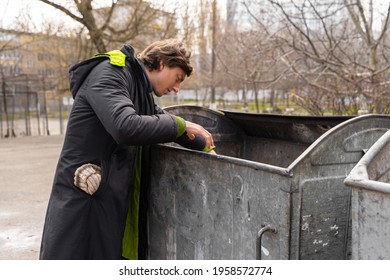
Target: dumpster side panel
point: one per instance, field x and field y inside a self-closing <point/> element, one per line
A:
<point x="260" y="198"/>
<point x="370" y="184"/>
<point x="370" y="225"/>
<point x="208" y="207"/>
<point x="325" y="219"/>
<point x="322" y="229"/>
<point x="321" y="209"/>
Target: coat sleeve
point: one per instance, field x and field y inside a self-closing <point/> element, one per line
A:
<point x="107" y="90"/>
<point x="198" y="143"/>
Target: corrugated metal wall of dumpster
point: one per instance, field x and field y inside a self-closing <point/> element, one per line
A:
<point x="370" y="184"/>
<point x="274" y="191"/>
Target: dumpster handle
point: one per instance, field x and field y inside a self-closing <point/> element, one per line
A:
<point x="264" y="229"/>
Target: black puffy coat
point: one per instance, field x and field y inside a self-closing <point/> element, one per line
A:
<point x="112" y="115"/>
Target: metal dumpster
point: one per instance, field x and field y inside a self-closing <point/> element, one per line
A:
<point x="274" y="191"/>
<point x="370" y="206"/>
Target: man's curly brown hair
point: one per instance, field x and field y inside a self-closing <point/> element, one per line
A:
<point x="171" y="51"/>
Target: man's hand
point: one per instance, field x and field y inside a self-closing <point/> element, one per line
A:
<point x="195" y="129"/>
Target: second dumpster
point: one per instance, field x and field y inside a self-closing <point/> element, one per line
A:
<point x="370" y="207"/>
<point x="274" y="191"/>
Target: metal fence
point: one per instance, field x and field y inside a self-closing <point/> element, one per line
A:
<point x="32" y="114"/>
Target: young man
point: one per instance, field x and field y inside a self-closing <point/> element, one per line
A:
<point x="101" y="177"/>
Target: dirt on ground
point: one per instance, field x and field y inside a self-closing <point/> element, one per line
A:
<point x="27" y="166"/>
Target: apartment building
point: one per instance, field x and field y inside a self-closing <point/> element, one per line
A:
<point x="35" y="58"/>
<point x="33" y="78"/>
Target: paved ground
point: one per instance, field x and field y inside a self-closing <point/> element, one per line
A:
<point x="27" y="166"/>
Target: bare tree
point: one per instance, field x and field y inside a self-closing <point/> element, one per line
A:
<point x="197" y="31"/>
<point x="7" y="50"/>
<point x="87" y="19"/>
<point x="334" y="50"/>
<point x="373" y="75"/>
<point x="122" y="21"/>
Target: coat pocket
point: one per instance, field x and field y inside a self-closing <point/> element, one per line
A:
<point x="87" y="177"/>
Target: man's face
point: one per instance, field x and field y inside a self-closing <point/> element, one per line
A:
<point x="166" y="79"/>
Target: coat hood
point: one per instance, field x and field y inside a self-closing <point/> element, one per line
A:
<point x="80" y="71"/>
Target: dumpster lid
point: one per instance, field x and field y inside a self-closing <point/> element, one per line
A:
<point x="304" y="129"/>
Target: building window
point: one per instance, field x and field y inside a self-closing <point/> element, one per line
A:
<point x="30" y="63"/>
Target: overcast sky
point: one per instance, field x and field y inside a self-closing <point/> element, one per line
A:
<point x="10" y="9"/>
